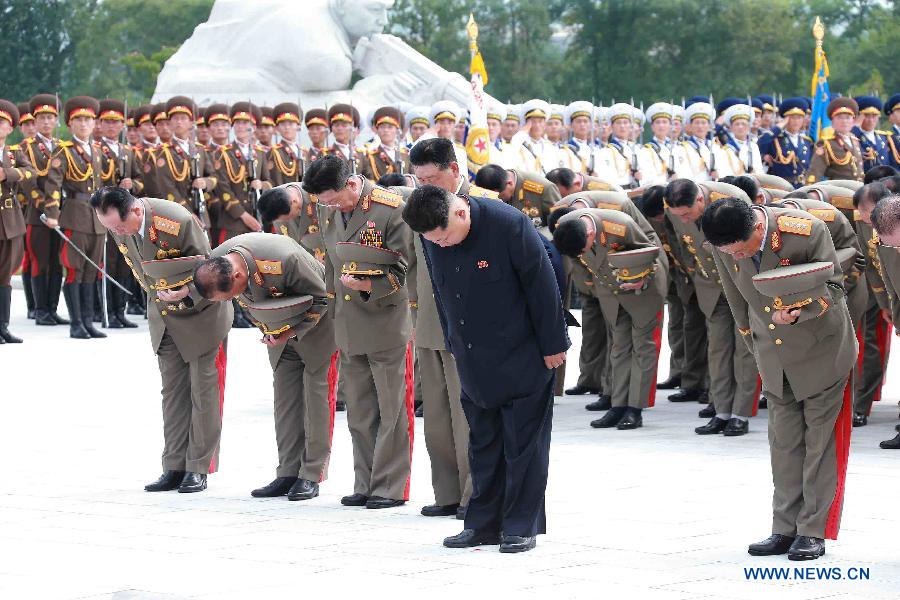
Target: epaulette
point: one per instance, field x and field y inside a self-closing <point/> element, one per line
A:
<point x="533" y="186"/>
<point x="878" y="131"/>
<point x="386" y="197"/>
<point x="795" y="225"/>
<point x="614" y="228"/>
<point x="66" y="144"/>
<point x="269" y="267"/>
<point x="225" y="147"/>
<point x="169" y="226"/>
<point x="14" y="147"/>
<point x="259" y="147"/>
<point x="28" y="140"/>
<point x="824" y="214"/>
<point x="481" y="192"/>
<point x="806" y="137"/>
<point x="827" y="134"/>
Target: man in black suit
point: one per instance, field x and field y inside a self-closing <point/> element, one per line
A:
<point x="502" y="317"/>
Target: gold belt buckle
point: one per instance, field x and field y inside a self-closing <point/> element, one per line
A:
<point x="8" y="203"/>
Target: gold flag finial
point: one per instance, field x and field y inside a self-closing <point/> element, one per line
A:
<point x="818" y="31"/>
<point x="472" y="28"/>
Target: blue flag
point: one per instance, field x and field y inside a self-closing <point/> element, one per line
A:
<point x="821" y="96"/>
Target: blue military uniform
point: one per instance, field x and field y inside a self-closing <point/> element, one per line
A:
<point x="789" y="159"/>
<point x="501" y="313"/>
<point x="893" y="135"/>
<point x="874" y="145"/>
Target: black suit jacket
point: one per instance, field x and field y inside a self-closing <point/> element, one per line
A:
<point x="499" y="304"/>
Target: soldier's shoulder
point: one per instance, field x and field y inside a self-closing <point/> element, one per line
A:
<point x="884" y="133"/>
<point x="15" y="147"/>
<point x="795" y="223"/>
<point x="481" y="192"/>
<point x="533" y="185"/>
<point x="66" y="144"/>
<point x="385" y="197"/>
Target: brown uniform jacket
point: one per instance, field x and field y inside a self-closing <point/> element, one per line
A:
<point x="374" y="163"/>
<point x="833" y="158"/>
<point x="174" y="172"/>
<point x="13" y="191"/>
<point x="368" y="323"/>
<point x="195" y="324"/>
<point x="72" y="178"/>
<point x="113" y="172"/>
<point x="820" y="349"/>
<point x="285" y="165"/>
<point x="869" y="242"/>
<point x="305" y="229"/>
<point x="534" y="195"/>
<point x="233" y="190"/>
<point x="39" y="154"/>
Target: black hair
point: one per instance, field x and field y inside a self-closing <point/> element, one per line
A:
<point x="556" y="215"/>
<point x="213" y="275"/>
<point x="392" y="180"/>
<point x="570" y="237"/>
<point x="326" y="173"/>
<point x="745" y="183"/>
<point x="892" y="183"/>
<point x="886" y="215"/>
<point x="108" y="197"/>
<point x="562" y="176"/>
<point x="681" y="192"/>
<point x="433" y="151"/>
<point x="651" y="202"/>
<point x="274" y="203"/>
<point x="492" y="177"/>
<point x="871" y="192"/>
<point x="727" y="221"/>
<point x="879" y="172"/>
<point x="427" y="209"/>
<point x="799" y="194"/>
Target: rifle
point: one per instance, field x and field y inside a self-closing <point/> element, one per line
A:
<point x="592" y="164"/>
<point x="351" y="151"/>
<point x="123" y="152"/>
<point x="301" y="165"/>
<point x="252" y="175"/>
<point x="198" y="198"/>
<point x="670" y="168"/>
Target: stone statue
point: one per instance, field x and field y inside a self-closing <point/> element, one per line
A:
<point x="271" y="51"/>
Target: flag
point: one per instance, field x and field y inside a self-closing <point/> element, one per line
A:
<point x="821" y="96"/>
<point x="478" y="139"/>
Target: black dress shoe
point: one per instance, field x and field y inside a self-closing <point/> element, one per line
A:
<point x="354" y="500"/>
<point x="580" y="390"/>
<point x="603" y="402"/>
<point x="511" y="544"/>
<point x="669" y="384"/>
<point x="440" y="510"/>
<point x="685" y="396"/>
<point x="632" y="419"/>
<point x="376" y="502"/>
<point x="707" y="412"/>
<point x="469" y="538"/>
<point x="860" y="420"/>
<point x="715" y="425"/>
<point x="192" y="482"/>
<point x="340" y="406"/>
<point x="772" y="545"/>
<point x="704" y="397"/>
<point x="303" y="489"/>
<point x="896" y="427"/>
<point x="610" y="419"/>
<point x="891" y="444"/>
<point x="806" y="548"/>
<point x="167" y="482"/>
<point x="736" y="427"/>
<point x="461" y="513"/>
<point x="279" y="487"/>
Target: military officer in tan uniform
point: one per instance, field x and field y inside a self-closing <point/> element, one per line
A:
<point x="732" y="369"/>
<point x="631" y="299"/>
<point x="287" y="159"/>
<point x="568" y="182"/>
<point x="531" y="193"/>
<point x="370" y="308"/>
<point x="74" y="174"/>
<point x="784" y="284"/>
<point x="389" y="155"/>
<point x="43" y="243"/>
<point x="262" y="270"/>
<point x="838" y="155"/>
<point x="16" y="177"/>
<point x="162" y="242"/>
<point x="294" y="212"/>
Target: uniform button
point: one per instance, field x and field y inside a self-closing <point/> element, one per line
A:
<point x="457" y="269"/>
<point x="718" y="281"/>
<point x="767" y="309"/>
<point x="462" y="321"/>
<point x="158" y="300"/>
<point x="778" y="342"/>
<point x="457" y="296"/>
<point x="164" y="313"/>
<point x="469" y="346"/>
<point x="771" y="325"/>
<point x="347" y="297"/>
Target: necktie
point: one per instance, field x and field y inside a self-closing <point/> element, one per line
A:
<point x="757" y="259"/>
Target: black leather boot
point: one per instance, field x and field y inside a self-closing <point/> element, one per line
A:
<point x="72" y="294"/>
<point x="54" y="285"/>
<point x="112" y="304"/>
<point x="29" y="294"/>
<point x="5" y="302"/>
<point x="42" y="314"/>
<point x="98" y="303"/>
<point x="120" y="310"/>
<point x="87" y="311"/>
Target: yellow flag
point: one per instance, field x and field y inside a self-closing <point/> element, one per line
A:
<point x="477" y="64"/>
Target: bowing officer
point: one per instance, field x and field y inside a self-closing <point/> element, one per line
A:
<point x="531" y="193"/>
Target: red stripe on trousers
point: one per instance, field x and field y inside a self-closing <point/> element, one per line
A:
<point x="410" y="399"/>
<point x="862" y="349"/>
<point x="221" y="366"/>
<point x="332" y="405"/>
<point x="883" y="339"/>
<point x="756" y="397"/>
<point x="222" y="237"/>
<point x="842" y="430"/>
<point x="35" y="267"/>
<point x="64" y="259"/>
<point x="657" y="341"/>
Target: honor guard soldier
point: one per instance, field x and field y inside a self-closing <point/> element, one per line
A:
<point x="629" y="275"/>
<point x="283" y="287"/>
<point x="788" y="151"/>
<point x="265" y="129"/>
<point x="655" y="157"/>
<point x="316" y="122"/>
<point x="740" y="152"/>
<point x="75" y="173"/>
<point x="618" y="159"/>
<point x="388" y="156"/>
<point x="242" y="173"/>
<point x="16" y="178"/>
<point x="892" y="111"/>
<point x="295" y="213"/>
<point x="872" y="143"/>
<point x="370" y="308"/>
<point x="43" y="243"/>
<point x="579" y="118"/>
<point x="143" y="117"/>
<point x="556" y="134"/>
<point x="694" y="157"/>
<point x="444" y="116"/>
<point x="27" y="126"/>
<point x="782" y="278"/>
<point x="529" y="192"/>
<point x="677" y="134"/>
<point x="838" y="154"/>
<point x="769" y="109"/>
<point x="132" y="133"/>
<point x="418" y="120"/>
<point x="161" y="122"/>
<point x="287" y="159"/>
<point x="201" y="131"/>
<point x="219" y="125"/>
<point x="28" y="129"/>
<point x="120" y="168"/>
<point x="162" y="243"/>
<point x="343" y="119"/>
<point x="732" y="371"/>
<point x="494" y="118"/>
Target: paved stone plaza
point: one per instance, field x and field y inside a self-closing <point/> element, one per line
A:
<point x="657" y="513"/>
